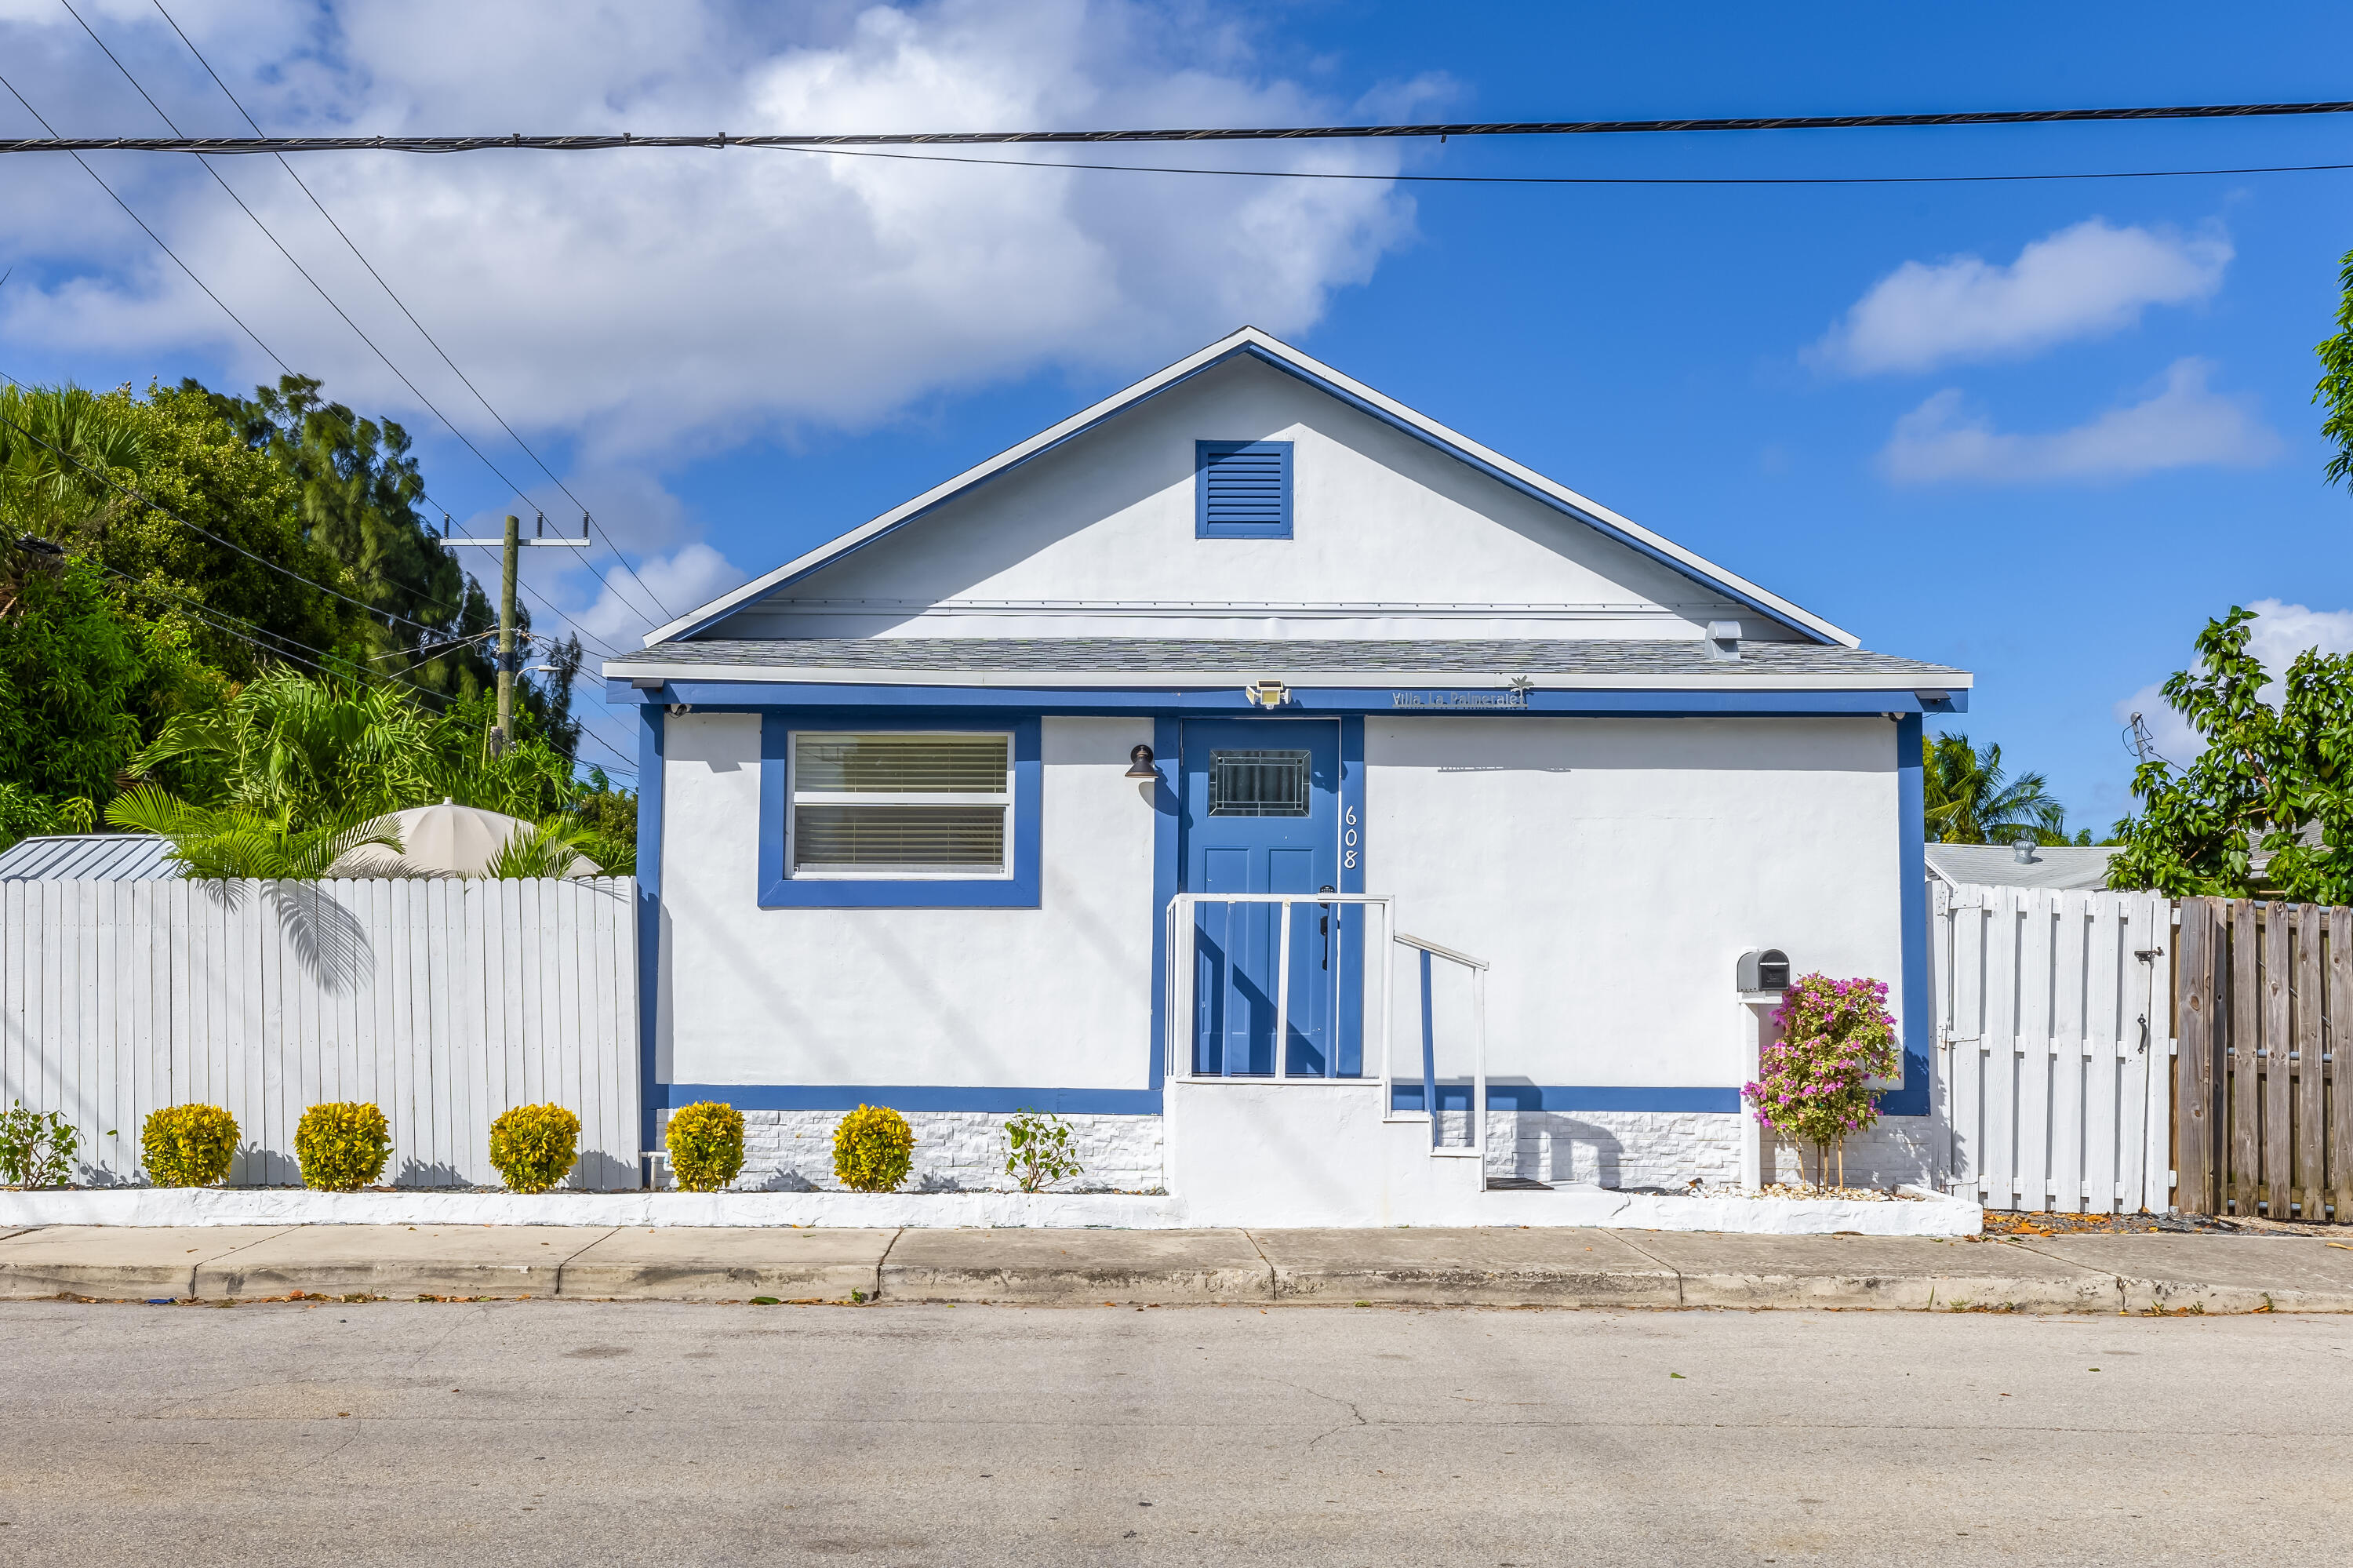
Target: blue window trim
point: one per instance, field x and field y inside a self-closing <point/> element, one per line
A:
<point x="780" y="891"/>
<point x="1407" y="1094"/>
<point x="1202" y="529"/>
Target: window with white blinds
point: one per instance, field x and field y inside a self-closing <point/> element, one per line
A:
<point x="902" y="804"/>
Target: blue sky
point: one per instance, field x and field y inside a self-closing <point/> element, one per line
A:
<point x="2042" y="430"/>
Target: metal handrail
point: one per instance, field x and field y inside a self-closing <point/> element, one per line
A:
<point x="1179" y="1000"/>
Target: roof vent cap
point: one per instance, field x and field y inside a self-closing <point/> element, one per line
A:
<point x="1724" y="639"/>
<point x="2021" y="849"/>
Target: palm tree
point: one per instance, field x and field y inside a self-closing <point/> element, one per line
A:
<point x="227" y="842"/>
<point x="1970" y="800"/>
<point x="551" y="848"/>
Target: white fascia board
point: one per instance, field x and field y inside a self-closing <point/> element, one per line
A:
<point x="1248" y="337"/>
<point x="1893" y="680"/>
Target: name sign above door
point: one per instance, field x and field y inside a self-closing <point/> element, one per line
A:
<point x="1516" y="698"/>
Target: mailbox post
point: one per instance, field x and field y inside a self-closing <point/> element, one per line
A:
<point x="1759" y="979"/>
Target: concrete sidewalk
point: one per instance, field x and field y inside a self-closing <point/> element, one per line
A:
<point x="1502" y="1267"/>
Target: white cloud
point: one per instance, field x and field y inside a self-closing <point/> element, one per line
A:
<point x="2082" y="281"/>
<point x="2182" y="424"/>
<point x="2281" y="632"/>
<point x="654" y="304"/>
<point x="689" y="577"/>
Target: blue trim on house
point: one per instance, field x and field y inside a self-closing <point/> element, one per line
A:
<point x="650" y="917"/>
<point x="1167" y="851"/>
<point x="780" y="891"/>
<point x="1912" y="891"/>
<point x="1572" y="1097"/>
<point x="1304" y="701"/>
<point x="915" y="1097"/>
<point x="1353" y="401"/>
<point x="1208" y="502"/>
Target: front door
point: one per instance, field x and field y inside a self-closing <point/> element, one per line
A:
<point x="1262" y="816"/>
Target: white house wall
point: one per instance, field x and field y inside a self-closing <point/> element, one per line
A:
<point x="1391" y="538"/>
<point x="1058" y="996"/>
<point x="1613" y="871"/>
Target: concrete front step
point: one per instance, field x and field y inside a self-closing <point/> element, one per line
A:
<point x="1487" y="1266"/>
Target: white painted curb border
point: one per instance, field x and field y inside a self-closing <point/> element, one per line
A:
<point x="1933" y="1214"/>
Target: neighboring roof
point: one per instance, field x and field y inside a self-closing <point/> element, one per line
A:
<point x="1998" y="865"/>
<point x="1103" y="661"/>
<point x="1272" y="351"/>
<point x="88" y="857"/>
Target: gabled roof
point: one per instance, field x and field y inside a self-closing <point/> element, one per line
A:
<point x="1592" y="664"/>
<point x="1251" y="342"/>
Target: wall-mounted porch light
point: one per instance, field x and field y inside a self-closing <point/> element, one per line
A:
<point x="1267" y="693"/>
<point x="1139" y="764"/>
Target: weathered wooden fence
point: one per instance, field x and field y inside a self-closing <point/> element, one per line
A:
<point x="444" y="1001"/>
<point x="2266" y="1004"/>
<point x="2051" y="1014"/>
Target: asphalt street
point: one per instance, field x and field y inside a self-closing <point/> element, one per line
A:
<point x="540" y="1431"/>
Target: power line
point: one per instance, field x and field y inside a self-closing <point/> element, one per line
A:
<point x="229" y="145"/>
<point x="1577" y="179"/>
<point x="150" y="234"/>
<point x="271" y="353"/>
<point x="585" y="515"/>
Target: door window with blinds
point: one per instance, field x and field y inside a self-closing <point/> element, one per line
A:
<point x="902" y="803"/>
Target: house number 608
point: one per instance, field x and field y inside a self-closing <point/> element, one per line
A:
<point x="1349" y="839"/>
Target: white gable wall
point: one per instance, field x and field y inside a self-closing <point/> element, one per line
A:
<point x="1391" y="538"/>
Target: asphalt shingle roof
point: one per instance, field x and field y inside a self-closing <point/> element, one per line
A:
<point x="1171" y="655"/>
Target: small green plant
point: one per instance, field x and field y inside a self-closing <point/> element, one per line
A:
<point x="706" y="1145"/>
<point x="342" y="1144"/>
<point x="533" y="1146"/>
<point x="1037" y="1150"/>
<point x="37" y="1148"/>
<point x="873" y="1148"/>
<point x="188" y="1146"/>
<point x="1836" y="1035"/>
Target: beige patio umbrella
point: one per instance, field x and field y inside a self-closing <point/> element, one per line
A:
<point x="447" y="840"/>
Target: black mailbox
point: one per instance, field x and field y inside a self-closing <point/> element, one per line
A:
<point x="1767" y="970"/>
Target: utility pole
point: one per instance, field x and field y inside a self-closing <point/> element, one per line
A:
<point x="512" y="545"/>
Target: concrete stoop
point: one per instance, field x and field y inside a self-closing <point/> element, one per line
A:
<point x="2169" y="1274"/>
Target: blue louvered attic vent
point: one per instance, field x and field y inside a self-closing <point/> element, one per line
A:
<point x="1242" y="489"/>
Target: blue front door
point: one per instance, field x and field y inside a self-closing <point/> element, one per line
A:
<point x="1262" y="816"/>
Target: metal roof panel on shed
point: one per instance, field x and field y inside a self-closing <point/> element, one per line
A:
<point x="88" y="857"/>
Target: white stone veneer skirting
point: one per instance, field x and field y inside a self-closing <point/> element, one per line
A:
<point x="956" y="1151"/>
<point x="963" y="1151"/>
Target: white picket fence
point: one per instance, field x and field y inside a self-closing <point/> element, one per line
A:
<point x="444" y="1001"/>
<point x="2054" y="1049"/>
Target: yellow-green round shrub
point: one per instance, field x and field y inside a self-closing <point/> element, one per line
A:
<point x="706" y="1145"/>
<point x="533" y="1146"/>
<point x="342" y="1144"/>
<point x="188" y="1146"/>
<point x="873" y="1148"/>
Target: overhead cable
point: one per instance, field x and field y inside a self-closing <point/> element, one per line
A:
<point x="1575" y="179"/>
<point x="402" y="305"/>
<point x="229" y="145"/>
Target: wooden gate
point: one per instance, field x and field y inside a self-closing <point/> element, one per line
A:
<point x="2263" y="994"/>
<point x="2050" y="1025"/>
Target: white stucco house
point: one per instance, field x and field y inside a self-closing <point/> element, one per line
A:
<point x="1008" y="798"/>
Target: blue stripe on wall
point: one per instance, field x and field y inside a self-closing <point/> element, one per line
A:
<point x="914" y="1097"/>
<point x="1571" y="1097"/>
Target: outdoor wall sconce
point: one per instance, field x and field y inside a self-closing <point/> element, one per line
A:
<point x="1267" y="693"/>
<point x="1139" y="764"/>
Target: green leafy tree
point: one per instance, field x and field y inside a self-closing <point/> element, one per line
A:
<point x="1971" y="799"/>
<point x="2270" y="777"/>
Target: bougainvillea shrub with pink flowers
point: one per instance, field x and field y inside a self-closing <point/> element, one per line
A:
<point x="1836" y="1035"/>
